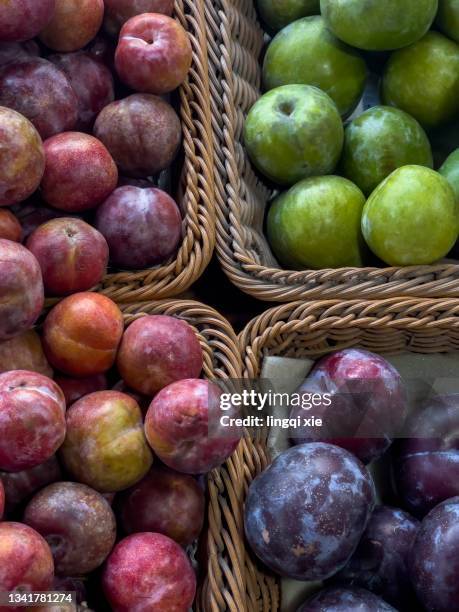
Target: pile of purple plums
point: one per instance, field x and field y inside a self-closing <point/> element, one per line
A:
<point x="312" y="514"/>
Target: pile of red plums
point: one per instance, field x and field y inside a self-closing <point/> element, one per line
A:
<point x="84" y="409"/>
<point x="312" y="515"/>
<point x="87" y="133"/>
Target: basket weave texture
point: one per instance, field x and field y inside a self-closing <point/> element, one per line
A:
<point x="238" y="583"/>
<point x="235" y="44"/>
<point x="196" y="191"/>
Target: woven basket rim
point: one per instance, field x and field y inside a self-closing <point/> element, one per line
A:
<point x="197" y="182"/>
<point x="235" y="41"/>
<point x="416" y="314"/>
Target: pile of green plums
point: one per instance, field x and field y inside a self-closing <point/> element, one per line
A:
<point x="368" y="184"/>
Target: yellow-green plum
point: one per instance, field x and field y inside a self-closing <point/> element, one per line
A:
<point x="411" y="218"/>
<point x="450" y="170"/>
<point x="105" y="446"/>
<point x="379" y="26"/>
<point x="293" y="132"/>
<point x="448" y="18"/>
<point x="379" y="141"/>
<point x="423" y="80"/>
<point x="316" y="224"/>
<point x="276" y="14"/>
<point x="307" y="52"/>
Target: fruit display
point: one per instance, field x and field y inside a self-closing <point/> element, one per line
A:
<point x="374" y="538"/>
<point x="391" y="75"/>
<point x="142" y="465"/>
<point x="78" y="117"/>
<point x="68" y="445"/>
<point x="89" y="130"/>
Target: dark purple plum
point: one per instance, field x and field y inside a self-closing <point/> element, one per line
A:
<point x="435" y="558"/>
<point x="41" y="92"/>
<point x="381" y="560"/>
<point x="142" y="226"/>
<point x="426" y="465"/>
<point x="345" y="600"/>
<point x="367" y="403"/>
<point x="13" y="51"/>
<point x="91" y="81"/>
<point x="78" y="524"/>
<point x="21" y="485"/>
<point x="305" y="514"/>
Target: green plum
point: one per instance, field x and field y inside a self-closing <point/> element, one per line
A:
<point x="374" y="25"/>
<point x="307" y="52"/>
<point x="378" y="142"/>
<point x="316" y="224"/>
<point x="411" y="218"/>
<point x="450" y="170"/>
<point x="293" y="132"/>
<point x="448" y="18"/>
<point x="423" y="80"/>
<point x="276" y="14"/>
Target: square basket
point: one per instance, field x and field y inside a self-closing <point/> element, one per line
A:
<point x="235" y="581"/>
<point x="236" y="41"/>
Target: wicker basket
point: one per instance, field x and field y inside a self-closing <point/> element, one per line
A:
<point x="196" y="191"/>
<point x="299" y="330"/>
<point x="235" y="44"/>
<point x="221" y="360"/>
